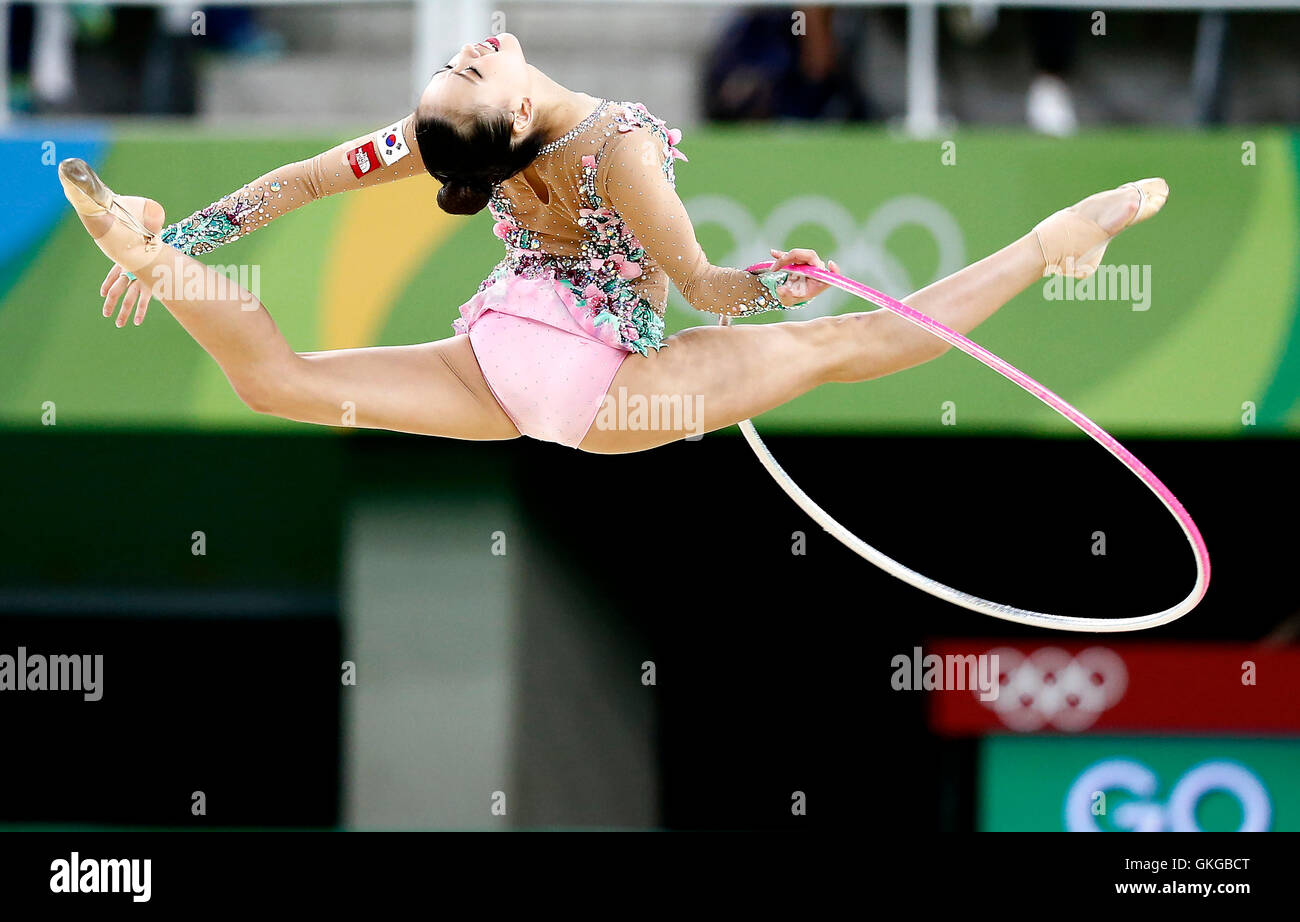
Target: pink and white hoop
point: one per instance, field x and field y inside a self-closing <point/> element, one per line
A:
<point x="936" y="588"/>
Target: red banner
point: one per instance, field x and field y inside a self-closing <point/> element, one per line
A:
<point x="1121" y="687"/>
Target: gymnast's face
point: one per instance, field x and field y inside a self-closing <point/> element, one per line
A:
<point x="487" y="75"/>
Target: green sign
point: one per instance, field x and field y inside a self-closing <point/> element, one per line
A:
<point x="1052" y="783"/>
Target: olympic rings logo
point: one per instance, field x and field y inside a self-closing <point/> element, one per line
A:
<point x="1051" y="688"/>
<point x="860" y="251"/>
<point x="1179" y="814"/>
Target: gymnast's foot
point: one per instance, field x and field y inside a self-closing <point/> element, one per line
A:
<point x="1074" y="239"/>
<point x="125" y="227"/>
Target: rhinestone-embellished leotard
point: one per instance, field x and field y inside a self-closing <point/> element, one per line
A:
<point x="612" y="229"/>
<point x="597" y="214"/>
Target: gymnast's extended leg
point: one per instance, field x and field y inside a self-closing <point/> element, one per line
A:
<point x="431" y="388"/>
<point x="741" y="371"/>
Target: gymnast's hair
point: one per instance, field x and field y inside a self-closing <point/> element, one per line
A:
<point x="469" y="159"/>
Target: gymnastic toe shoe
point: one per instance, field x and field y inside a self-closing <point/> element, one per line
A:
<point x="1074" y="239"/>
<point x="125" y="227"/>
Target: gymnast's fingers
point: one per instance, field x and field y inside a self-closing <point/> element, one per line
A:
<point x="798" y="290"/>
<point x="113" y="275"/>
<point x="146" y="295"/>
<point x="113" y="292"/>
<point x="801" y="288"/>
<point x="783" y="259"/>
<point x="816" y="286"/>
<point x="128" y="304"/>
<point x="806" y="257"/>
<point x="799" y="256"/>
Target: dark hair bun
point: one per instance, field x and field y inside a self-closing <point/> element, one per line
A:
<point x="463" y="198"/>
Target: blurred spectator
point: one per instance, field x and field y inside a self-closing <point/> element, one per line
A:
<point x="52" y="79"/>
<point x="763" y="67"/>
<point x="1053" y="40"/>
<point x="52" y="45"/>
<point x="236" y="30"/>
<point x="1053" y="37"/>
<point x="19" y="55"/>
<point x="40" y="55"/>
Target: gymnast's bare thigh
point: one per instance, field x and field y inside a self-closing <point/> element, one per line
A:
<point x="433" y="388"/>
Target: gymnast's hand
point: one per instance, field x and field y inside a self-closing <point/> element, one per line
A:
<point x="800" y="288"/>
<point x="134" y="294"/>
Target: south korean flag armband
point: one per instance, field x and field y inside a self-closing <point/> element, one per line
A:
<point x="391" y="144"/>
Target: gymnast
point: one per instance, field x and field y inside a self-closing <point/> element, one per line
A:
<point x="582" y="193"/>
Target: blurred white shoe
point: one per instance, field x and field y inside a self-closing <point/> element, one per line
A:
<point x="52" y="54"/>
<point x="1049" y="107"/>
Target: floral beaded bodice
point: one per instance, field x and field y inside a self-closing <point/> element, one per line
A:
<point x="582" y="235"/>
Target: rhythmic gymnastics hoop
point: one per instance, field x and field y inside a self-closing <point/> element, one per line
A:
<point x="1015" y="375"/>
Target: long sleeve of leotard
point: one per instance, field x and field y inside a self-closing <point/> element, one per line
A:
<point x="634" y="178"/>
<point x="381" y="156"/>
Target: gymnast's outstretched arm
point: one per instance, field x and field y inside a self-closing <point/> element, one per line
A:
<point x="385" y="155"/>
<point x="381" y="156"/>
<point x="631" y="176"/>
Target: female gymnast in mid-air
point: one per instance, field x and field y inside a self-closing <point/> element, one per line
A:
<point x="582" y="193"/>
